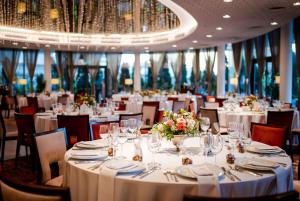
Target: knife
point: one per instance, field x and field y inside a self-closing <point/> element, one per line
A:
<point x="227" y="174"/>
<point x="148" y="173"/>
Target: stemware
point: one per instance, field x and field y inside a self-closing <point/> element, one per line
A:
<point x="233" y="134"/>
<point x="246" y="138"/>
<point x="204" y="123"/>
<point x="216" y="145"/>
<point x="103" y="131"/>
<point x="124" y="126"/>
<point x="154" y="143"/>
<point x="132" y="123"/>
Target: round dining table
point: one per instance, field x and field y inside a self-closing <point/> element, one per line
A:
<point x="86" y="182"/>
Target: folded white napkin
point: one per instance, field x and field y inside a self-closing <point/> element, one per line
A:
<point x="119" y="164"/>
<point x="281" y="179"/>
<point x="202" y="171"/>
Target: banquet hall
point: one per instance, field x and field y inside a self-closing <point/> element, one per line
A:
<point x="153" y="100"/>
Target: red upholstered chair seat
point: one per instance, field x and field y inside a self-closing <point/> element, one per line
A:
<point x="27" y="110"/>
<point x="95" y="127"/>
<point x="274" y="136"/>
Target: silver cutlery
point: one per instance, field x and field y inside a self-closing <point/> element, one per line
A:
<point x="174" y="175"/>
<point x="227" y="174"/>
<point x="84" y="162"/>
<point x="236" y="168"/>
<point x="148" y="173"/>
<point x="165" y="172"/>
<point x="139" y="174"/>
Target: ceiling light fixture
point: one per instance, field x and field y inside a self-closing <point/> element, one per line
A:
<point x="174" y="45"/>
<point x="81" y="47"/>
<point x="113" y="48"/>
<point x="296" y="3"/>
<point x="15" y="43"/>
<point x="191" y="48"/>
<point x="219" y="28"/>
<point x="209" y="36"/>
<point x="195" y="41"/>
<point x="47" y="45"/>
<point x="226" y="16"/>
<point x="228" y="1"/>
<point x="24" y="47"/>
<point x="147" y="51"/>
<point x="274" y="23"/>
<point x="146" y="48"/>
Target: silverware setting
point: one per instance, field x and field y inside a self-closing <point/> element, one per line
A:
<point x="147" y="173"/>
<point x="238" y="169"/>
<point x="229" y="174"/>
<point x="165" y="172"/>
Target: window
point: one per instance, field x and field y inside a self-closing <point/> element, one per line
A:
<point x="187" y="77"/>
<point x="166" y="76"/>
<point x="146" y="71"/>
<point x="229" y="65"/>
<point x="125" y="70"/>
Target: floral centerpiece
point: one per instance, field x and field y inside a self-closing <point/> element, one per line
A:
<point x="149" y="92"/>
<point x="231" y="94"/>
<point x="177" y="125"/>
<point x="250" y="101"/>
<point x="88" y="100"/>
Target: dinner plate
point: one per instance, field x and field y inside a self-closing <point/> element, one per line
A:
<point x="256" y="164"/>
<point x="187" y="171"/>
<point x="43" y="114"/>
<point x="89" y="155"/>
<point x="91" y="145"/>
<point x="134" y="166"/>
<point x="262" y="149"/>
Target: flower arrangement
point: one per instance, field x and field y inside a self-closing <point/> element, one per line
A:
<point x="149" y="92"/>
<point x="231" y="94"/>
<point x="250" y="101"/>
<point x="181" y="123"/>
<point x="88" y="100"/>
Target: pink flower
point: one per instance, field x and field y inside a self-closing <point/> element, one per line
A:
<point x="169" y="123"/>
<point x="181" y="124"/>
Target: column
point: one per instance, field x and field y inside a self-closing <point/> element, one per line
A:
<point x="286" y="67"/>
<point x="47" y="69"/>
<point x="221" y="71"/>
<point x="137" y="73"/>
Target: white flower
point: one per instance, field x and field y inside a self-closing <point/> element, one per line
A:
<point x="160" y="128"/>
<point x="191" y="123"/>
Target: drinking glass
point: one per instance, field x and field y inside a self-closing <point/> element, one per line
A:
<point x="216" y="145"/>
<point x="204" y="123"/>
<point x="132" y="125"/>
<point x="115" y="136"/>
<point x="103" y="131"/>
<point x="233" y="134"/>
<point x="154" y="143"/>
<point x="124" y="126"/>
<point x="205" y="143"/>
<point x="246" y="138"/>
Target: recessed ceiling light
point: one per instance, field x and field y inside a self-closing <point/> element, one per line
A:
<point x="228" y="1"/>
<point x="47" y="45"/>
<point x="191" y="48"/>
<point x="146" y="48"/>
<point x="147" y="51"/>
<point x="15" y="43"/>
<point x="174" y="45"/>
<point x="195" y="41"/>
<point x="24" y="47"/>
<point x="82" y="47"/>
<point x="113" y="48"/>
<point x="209" y="36"/>
<point x="219" y="28"/>
<point x="274" y="23"/>
<point x="226" y="16"/>
<point x="296" y="3"/>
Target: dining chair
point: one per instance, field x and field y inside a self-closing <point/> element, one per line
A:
<point x="26" y="129"/>
<point x="287" y="106"/>
<point x="220" y="101"/>
<point x="187" y="102"/>
<point x="287" y="196"/>
<point x="124" y="98"/>
<point x="95" y="128"/>
<point x="12" y="190"/>
<point x="5" y="135"/>
<point x="178" y="105"/>
<point x="137" y="116"/>
<point x="51" y="156"/>
<point x="200" y="102"/>
<point x="33" y="102"/>
<point x="212" y="114"/>
<point x="153" y="103"/>
<point x="121" y="106"/>
<point x="191" y="107"/>
<point x="63" y="99"/>
<point x="160" y="115"/>
<point x="172" y="99"/>
<point x="296" y="133"/>
<point x="77" y="127"/>
<point x="27" y="110"/>
<point x="273" y="135"/>
<point x="283" y="118"/>
<point x="210" y="99"/>
<point x="149" y="115"/>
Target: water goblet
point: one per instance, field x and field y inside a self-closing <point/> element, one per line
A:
<point x="154" y="143"/>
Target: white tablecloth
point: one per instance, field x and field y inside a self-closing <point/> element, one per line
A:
<point x="83" y="182"/>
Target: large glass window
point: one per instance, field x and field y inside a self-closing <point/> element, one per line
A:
<point x="229" y="65"/>
<point x="146" y="71"/>
<point x="166" y="76"/>
<point x="187" y="77"/>
<point x="125" y="70"/>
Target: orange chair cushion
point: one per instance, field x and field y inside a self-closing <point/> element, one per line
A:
<point x="269" y="135"/>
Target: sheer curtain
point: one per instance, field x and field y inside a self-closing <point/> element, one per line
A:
<point x="60" y="67"/>
<point x="237" y="50"/>
<point x="177" y="69"/>
<point x="248" y="57"/>
<point x="274" y="40"/>
<point x="113" y="64"/>
<point x="94" y="60"/>
<point x="297" y="43"/>
<point x="210" y="57"/>
<point x="196" y="68"/>
<point x="31" y="59"/>
<point x="260" y="53"/>
<point x="10" y="60"/>
<point x="157" y="60"/>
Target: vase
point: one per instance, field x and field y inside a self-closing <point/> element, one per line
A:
<point x="177" y="140"/>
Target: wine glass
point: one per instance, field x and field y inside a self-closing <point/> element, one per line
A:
<point x="124" y="126"/>
<point x="115" y="136"/>
<point x="132" y="125"/>
<point x="154" y="143"/>
<point x="216" y="145"/>
<point x="246" y="138"/>
<point x="233" y="134"/>
<point x="205" y="143"/>
<point x="204" y="123"/>
<point x="103" y="131"/>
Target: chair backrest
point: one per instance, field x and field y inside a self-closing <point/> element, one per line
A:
<point x="121" y="107"/>
<point x="187" y="102"/>
<point x="77" y="127"/>
<point x="210" y="99"/>
<point x="124" y="98"/>
<point x="191" y="107"/>
<point x="200" y="102"/>
<point x="26" y="129"/>
<point x="288" y="196"/>
<point x="96" y="126"/>
<point x="63" y="99"/>
<point x="33" y="101"/>
<point x="2" y="127"/>
<point x="51" y="147"/>
<point x="149" y="115"/>
<point x="15" y="191"/>
<point x="220" y="101"/>
<point x="212" y="114"/>
<point x="137" y="116"/>
<point x="177" y="105"/>
<point x="281" y="118"/>
<point x="287" y="106"/>
<point x="212" y="105"/>
<point x="172" y="99"/>
<point x="151" y="103"/>
<point x="27" y="110"/>
<point x="269" y="134"/>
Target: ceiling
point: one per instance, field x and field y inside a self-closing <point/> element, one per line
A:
<point x="249" y="18"/>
